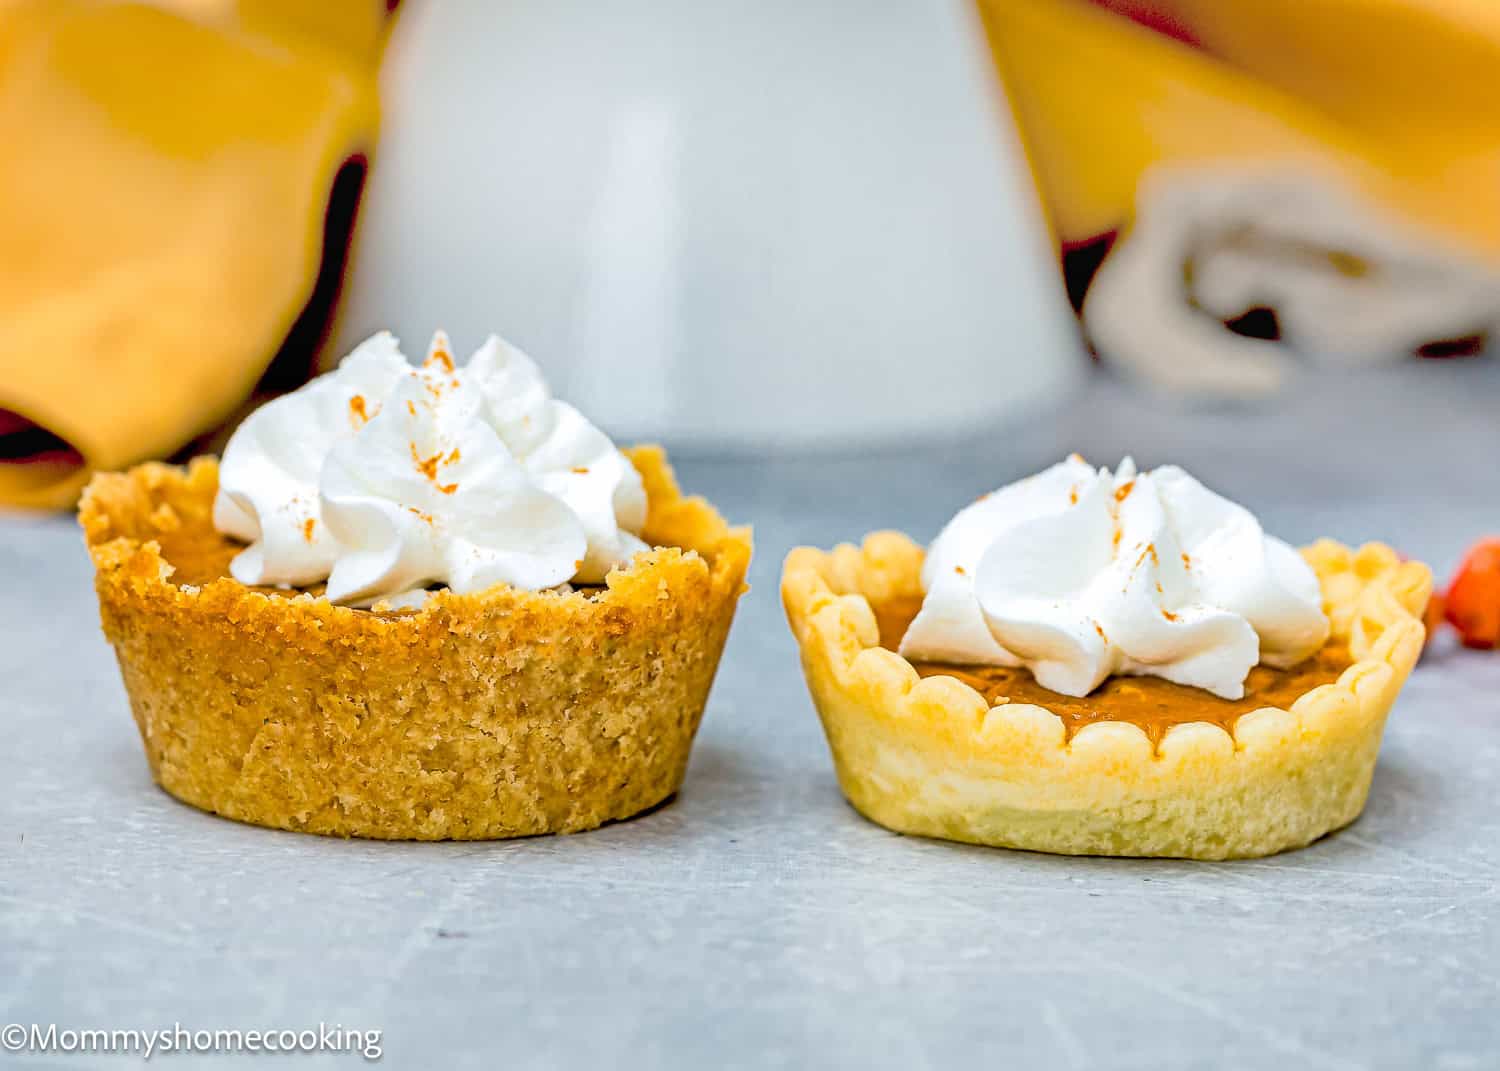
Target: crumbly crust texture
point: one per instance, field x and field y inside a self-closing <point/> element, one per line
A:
<point x="502" y="713"/>
<point x="930" y="757"/>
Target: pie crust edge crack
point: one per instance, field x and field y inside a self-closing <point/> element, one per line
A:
<point x="930" y="757"/>
<point x="495" y="714"/>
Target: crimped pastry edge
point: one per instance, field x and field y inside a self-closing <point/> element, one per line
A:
<point x="880" y="715"/>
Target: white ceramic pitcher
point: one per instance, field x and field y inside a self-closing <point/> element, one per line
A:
<point x="725" y="224"/>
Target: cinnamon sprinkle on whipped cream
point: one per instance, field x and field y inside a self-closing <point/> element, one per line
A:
<point x="1078" y="574"/>
<point x="477" y="477"/>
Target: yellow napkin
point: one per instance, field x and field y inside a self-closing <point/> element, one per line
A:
<point x="162" y="201"/>
<point x="1355" y="134"/>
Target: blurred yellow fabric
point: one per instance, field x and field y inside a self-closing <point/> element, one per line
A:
<point x="162" y="203"/>
<point x="1359" y="135"/>
<point x="1399" y="95"/>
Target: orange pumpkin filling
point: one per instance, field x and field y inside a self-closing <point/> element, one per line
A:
<point x="1149" y="702"/>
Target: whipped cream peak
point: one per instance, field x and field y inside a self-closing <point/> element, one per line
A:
<point x="567" y="455"/>
<point x="439" y="359"/>
<point x="268" y="477"/>
<point x="382" y="477"/>
<point x="1078" y="573"/>
<point x="515" y="394"/>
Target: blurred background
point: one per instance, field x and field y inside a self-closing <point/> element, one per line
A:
<point x="737" y="228"/>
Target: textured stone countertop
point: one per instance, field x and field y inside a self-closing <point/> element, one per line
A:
<point x="757" y="920"/>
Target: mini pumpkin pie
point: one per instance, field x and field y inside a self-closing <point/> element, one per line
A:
<point x="1089" y="662"/>
<point x="416" y="603"/>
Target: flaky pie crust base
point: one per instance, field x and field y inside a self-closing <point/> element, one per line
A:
<point x="497" y="714"/>
<point x="930" y="757"/>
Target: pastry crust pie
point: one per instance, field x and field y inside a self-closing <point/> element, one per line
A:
<point x="496" y="714"/>
<point x="1142" y="767"/>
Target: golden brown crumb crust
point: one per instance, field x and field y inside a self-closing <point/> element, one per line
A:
<point x="497" y="714"/>
<point x="932" y="757"/>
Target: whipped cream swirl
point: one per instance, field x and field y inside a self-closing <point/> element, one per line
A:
<point x="1078" y="573"/>
<point x="382" y="478"/>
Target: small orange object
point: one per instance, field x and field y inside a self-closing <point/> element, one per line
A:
<point x="1472" y="604"/>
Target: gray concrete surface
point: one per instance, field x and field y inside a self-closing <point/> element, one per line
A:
<point x="757" y="921"/>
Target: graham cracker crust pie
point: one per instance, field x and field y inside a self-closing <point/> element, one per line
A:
<point x="499" y="713"/>
<point x="1140" y="767"/>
